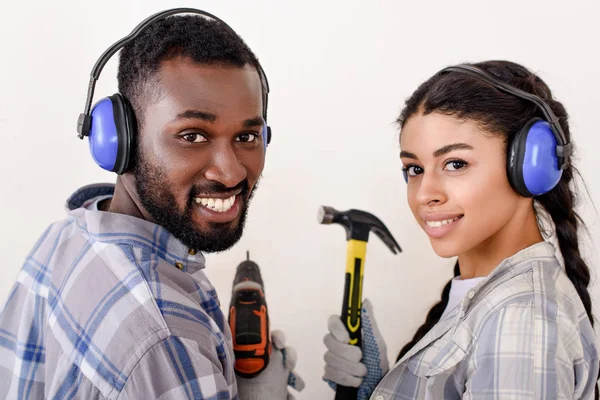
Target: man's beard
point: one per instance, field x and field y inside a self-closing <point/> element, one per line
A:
<point x="154" y="192"/>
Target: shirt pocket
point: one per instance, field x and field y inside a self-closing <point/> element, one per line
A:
<point x="433" y="366"/>
<point x="446" y="360"/>
<point x="440" y="356"/>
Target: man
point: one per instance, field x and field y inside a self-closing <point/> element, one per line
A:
<point x="112" y="302"/>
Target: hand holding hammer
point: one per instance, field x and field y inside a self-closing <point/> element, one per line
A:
<point x="358" y="224"/>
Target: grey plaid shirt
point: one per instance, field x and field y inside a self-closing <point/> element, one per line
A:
<point x="109" y="306"/>
<point x="522" y="333"/>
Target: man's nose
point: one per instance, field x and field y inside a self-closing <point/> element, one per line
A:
<point x="225" y="167"/>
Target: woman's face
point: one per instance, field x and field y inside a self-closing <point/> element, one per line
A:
<point x="458" y="190"/>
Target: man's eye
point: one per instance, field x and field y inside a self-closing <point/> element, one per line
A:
<point x="194" y="138"/>
<point x="247" y="137"/>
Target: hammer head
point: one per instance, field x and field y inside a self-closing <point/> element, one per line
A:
<point x="358" y="224"/>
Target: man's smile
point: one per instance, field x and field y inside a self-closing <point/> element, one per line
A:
<point x="217" y="204"/>
<point x="217" y="209"/>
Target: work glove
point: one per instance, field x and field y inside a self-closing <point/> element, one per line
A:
<point x="273" y="382"/>
<point x="348" y="365"/>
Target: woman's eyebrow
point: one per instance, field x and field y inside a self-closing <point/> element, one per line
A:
<point x="439" y="152"/>
<point x="451" y="147"/>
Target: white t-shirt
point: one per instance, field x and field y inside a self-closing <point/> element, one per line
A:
<point x="458" y="291"/>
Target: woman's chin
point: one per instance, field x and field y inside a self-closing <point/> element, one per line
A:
<point x="444" y="249"/>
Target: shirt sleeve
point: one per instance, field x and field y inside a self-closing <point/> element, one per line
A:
<point x="22" y="347"/>
<point x="178" y="368"/>
<point x="525" y="351"/>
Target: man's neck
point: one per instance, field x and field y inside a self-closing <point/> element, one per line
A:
<point x="125" y="200"/>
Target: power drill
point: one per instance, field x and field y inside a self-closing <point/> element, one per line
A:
<point x="249" y="321"/>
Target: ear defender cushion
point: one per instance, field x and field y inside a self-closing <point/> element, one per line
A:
<point x="110" y="133"/>
<point x="126" y="125"/>
<point x="266" y="135"/>
<point x="532" y="164"/>
<point x="103" y="137"/>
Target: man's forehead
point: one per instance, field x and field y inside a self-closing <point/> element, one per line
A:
<point x="182" y="71"/>
<point x="209" y="87"/>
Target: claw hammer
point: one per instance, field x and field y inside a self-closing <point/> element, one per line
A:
<point x="358" y="224"/>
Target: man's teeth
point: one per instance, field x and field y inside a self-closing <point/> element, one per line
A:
<point x="437" y="224"/>
<point x="219" y="205"/>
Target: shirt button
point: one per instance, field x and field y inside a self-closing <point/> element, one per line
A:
<point x="179" y="265"/>
<point x="380" y="397"/>
<point x="192" y="252"/>
<point x="471" y="294"/>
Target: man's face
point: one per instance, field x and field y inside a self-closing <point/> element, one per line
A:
<point x="201" y="152"/>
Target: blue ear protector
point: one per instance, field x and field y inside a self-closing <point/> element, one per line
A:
<point x="539" y="152"/>
<point x="110" y="123"/>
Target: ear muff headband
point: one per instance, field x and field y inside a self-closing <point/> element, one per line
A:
<point x="563" y="149"/>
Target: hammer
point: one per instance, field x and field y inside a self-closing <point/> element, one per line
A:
<point x="358" y="225"/>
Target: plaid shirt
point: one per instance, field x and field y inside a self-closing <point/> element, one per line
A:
<point x="109" y="306"/>
<point x="522" y="333"/>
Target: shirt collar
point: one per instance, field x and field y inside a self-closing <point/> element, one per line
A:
<point x="507" y="269"/>
<point x="516" y="263"/>
<point x="128" y="230"/>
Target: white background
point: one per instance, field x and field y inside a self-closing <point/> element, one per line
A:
<point x="339" y="74"/>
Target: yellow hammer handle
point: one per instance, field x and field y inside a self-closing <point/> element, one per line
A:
<point x="352" y="304"/>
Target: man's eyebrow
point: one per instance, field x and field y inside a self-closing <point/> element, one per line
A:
<point x="197" y="114"/>
<point x="210" y="117"/>
<point x="252" y="122"/>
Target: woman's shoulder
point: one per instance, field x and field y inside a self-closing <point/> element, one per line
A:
<point x="539" y="292"/>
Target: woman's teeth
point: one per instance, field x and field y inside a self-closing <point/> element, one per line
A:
<point x="219" y="205"/>
<point x="437" y="224"/>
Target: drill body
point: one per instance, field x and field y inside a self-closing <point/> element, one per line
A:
<point x="249" y="321"/>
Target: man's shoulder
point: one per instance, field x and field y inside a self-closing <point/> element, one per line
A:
<point x="65" y="236"/>
<point x="119" y="310"/>
<point x="115" y="293"/>
<point x="58" y="241"/>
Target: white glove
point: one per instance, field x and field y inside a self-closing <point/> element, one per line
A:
<point x="273" y="382"/>
<point x="349" y="365"/>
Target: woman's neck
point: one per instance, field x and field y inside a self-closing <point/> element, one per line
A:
<point x="520" y="232"/>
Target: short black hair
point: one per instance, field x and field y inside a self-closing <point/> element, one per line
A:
<point x="205" y="41"/>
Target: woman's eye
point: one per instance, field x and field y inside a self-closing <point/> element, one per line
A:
<point x="413" y="170"/>
<point x="455" y="165"/>
<point x="194" y="138"/>
<point x="247" y="137"/>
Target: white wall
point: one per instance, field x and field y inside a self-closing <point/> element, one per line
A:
<point x="339" y="74"/>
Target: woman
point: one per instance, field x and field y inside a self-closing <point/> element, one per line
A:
<point x="491" y="182"/>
